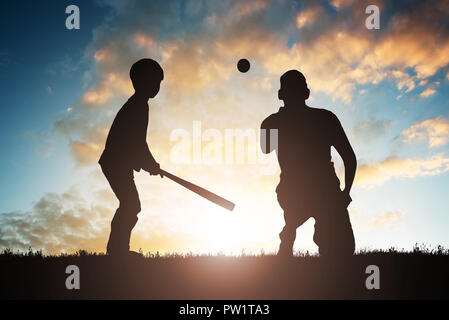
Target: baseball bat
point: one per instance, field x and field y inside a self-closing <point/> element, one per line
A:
<point x="222" y="202"/>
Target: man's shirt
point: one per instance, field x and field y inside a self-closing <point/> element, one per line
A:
<point x="305" y="137"/>
<point x="126" y="147"/>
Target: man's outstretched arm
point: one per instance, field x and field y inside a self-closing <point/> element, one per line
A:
<point x="268" y="131"/>
<point x="343" y="147"/>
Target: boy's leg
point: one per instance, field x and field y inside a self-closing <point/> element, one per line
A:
<point x="125" y="218"/>
<point x="121" y="227"/>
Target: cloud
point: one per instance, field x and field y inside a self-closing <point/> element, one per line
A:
<point x="417" y="38"/>
<point x="104" y="56"/>
<point x="336" y="55"/>
<point x="341" y="3"/>
<point x="434" y="130"/>
<point x="404" y="80"/>
<point x="200" y="51"/>
<point x="368" y="130"/>
<point x="104" y="90"/>
<point x="85" y="153"/>
<point x="423" y="82"/>
<point x="68" y="222"/>
<point x="97" y="96"/>
<point x="249" y="7"/>
<point x="336" y="60"/>
<point x="372" y="175"/>
<point x="307" y="17"/>
<point x="57" y="223"/>
<point x="88" y="149"/>
<point x="427" y="92"/>
<point x="384" y="220"/>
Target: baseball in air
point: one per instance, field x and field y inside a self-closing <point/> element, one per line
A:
<point x="243" y="65"/>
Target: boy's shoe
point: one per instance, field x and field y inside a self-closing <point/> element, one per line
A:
<point x="126" y="254"/>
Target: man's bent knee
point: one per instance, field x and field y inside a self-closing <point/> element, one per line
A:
<point x="288" y="234"/>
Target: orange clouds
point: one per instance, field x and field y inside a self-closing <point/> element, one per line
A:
<point x="103" y="55"/>
<point x="341" y="3"/>
<point x="434" y="130"/>
<point x="249" y="7"/>
<point x="372" y="175"/>
<point x="86" y="150"/>
<point x="188" y="65"/>
<point x="143" y="40"/>
<point x="103" y="91"/>
<point x="192" y="66"/>
<point x="404" y="80"/>
<point x="428" y="92"/>
<point x="407" y="46"/>
<point x="307" y="17"/>
<point x="85" y="153"/>
<point x="345" y="58"/>
<point x="335" y="61"/>
<point x="97" y="96"/>
<point x="417" y="40"/>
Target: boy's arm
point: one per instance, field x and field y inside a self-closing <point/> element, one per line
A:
<point x="147" y="161"/>
<point x="149" y="164"/>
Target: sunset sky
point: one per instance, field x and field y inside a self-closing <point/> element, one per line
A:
<point x="61" y="89"/>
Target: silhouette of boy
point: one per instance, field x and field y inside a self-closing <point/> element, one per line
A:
<point x="127" y="150"/>
<point x="308" y="184"/>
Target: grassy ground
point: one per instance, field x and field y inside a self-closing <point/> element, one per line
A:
<point x="421" y="274"/>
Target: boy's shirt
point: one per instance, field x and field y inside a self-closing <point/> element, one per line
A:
<point x="126" y="147"/>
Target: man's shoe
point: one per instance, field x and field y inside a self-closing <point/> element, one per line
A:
<point x="285" y="253"/>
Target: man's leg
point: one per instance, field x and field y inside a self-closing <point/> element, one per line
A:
<point x="293" y="218"/>
<point x="125" y="218"/>
<point x="287" y="236"/>
<point x="333" y="234"/>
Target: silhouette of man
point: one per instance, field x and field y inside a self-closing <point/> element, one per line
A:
<point x="127" y="150"/>
<point x="308" y="184"/>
